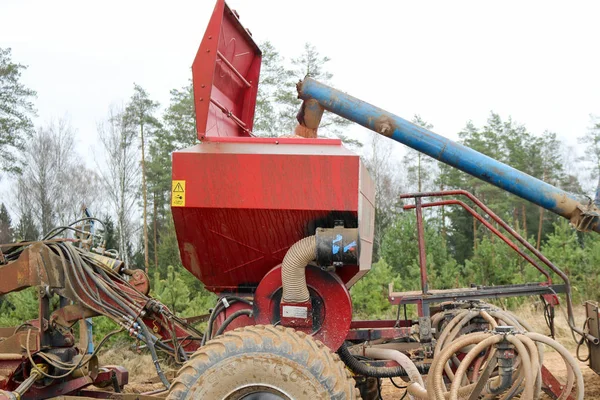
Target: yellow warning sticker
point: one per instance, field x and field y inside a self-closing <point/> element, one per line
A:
<point x="178" y="194"/>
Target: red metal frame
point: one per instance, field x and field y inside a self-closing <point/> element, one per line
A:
<point x="422" y="303"/>
<point x="552" y="386"/>
<point x="367" y="334"/>
<point x="422" y="256"/>
<point x="57" y="389"/>
<point x="475" y="214"/>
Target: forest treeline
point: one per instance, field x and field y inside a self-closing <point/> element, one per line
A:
<point x="128" y="184"/>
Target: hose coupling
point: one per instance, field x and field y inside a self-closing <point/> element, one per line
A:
<point x="505" y="352"/>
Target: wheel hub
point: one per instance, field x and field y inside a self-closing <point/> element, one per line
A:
<point x="258" y="392"/>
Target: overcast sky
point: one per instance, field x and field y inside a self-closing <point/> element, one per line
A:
<point x="449" y="61"/>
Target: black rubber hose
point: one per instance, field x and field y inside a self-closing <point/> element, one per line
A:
<point x="505" y="383"/>
<point x="143" y="327"/>
<point x="229" y="319"/>
<point x="150" y="344"/>
<point x="218" y="308"/>
<point x="361" y="368"/>
<point x="209" y="326"/>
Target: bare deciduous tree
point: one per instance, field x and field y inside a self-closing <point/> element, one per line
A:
<point x="380" y="164"/>
<point x="55" y="182"/>
<point x="37" y="185"/>
<point x="120" y="174"/>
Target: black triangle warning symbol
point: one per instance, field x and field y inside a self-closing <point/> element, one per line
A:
<point x="178" y="188"/>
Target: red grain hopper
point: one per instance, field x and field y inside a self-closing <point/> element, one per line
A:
<point x="239" y="202"/>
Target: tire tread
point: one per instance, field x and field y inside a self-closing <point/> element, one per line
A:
<point x="324" y="364"/>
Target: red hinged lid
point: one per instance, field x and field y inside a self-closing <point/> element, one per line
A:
<point x="225" y="75"/>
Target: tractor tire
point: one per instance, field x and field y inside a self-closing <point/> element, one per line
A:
<point x="264" y="362"/>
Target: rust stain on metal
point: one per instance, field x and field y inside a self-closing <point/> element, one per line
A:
<point x="310" y="114"/>
<point x="65" y="316"/>
<point x="439" y="157"/>
<point x="385" y="125"/>
<point x="190" y="250"/>
<point x="304" y="132"/>
<point x="18" y="343"/>
<point x="566" y="204"/>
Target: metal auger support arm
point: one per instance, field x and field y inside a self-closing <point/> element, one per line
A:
<point x="318" y="97"/>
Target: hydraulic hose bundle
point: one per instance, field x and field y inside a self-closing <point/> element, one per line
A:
<point x="480" y="351"/>
<point x="468" y="357"/>
<point x="94" y="285"/>
<point x="522" y="377"/>
<point x="89" y="282"/>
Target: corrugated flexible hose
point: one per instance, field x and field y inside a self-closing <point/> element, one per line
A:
<point x="293" y="270"/>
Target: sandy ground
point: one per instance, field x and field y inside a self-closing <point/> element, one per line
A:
<point x="592" y="381"/>
<point x="143" y="375"/>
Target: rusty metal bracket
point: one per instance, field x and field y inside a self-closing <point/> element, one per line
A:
<point x="593" y="324"/>
<point x="585" y="218"/>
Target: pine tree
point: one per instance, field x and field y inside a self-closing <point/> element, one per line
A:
<point x="400" y="251"/>
<point x="273" y="85"/>
<point x="110" y="234"/>
<point x="26" y="229"/>
<point x="564" y="248"/>
<point x="6" y="229"/>
<point x="462" y="227"/>
<point x="16" y="111"/>
<point x="311" y="64"/>
<point x="180" y="118"/>
<point x="510" y="143"/>
<point x="171" y="291"/>
<point x="546" y="164"/>
<point x="178" y="131"/>
<point x="591" y="142"/>
<point x="419" y="167"/>
<point x="370" y="294"/>
<point x="277" y="101"/>
<point x="140" y="116"/>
